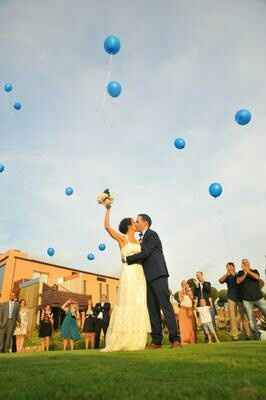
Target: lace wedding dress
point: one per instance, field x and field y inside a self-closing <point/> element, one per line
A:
<point x="129" y="323"/>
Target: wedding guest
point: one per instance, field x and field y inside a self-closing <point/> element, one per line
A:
<point x="260" y="319"/>
<point x="236" y="309"/>
<point x="249" y="283"/>
<point x="221" y="312"/>
<point x="205" y="319"/>
<point x="13" y="341"/>
<point x="70" y="325"/>
<point x="89" y="325"/>
<point x="9" y="317"/>
<point x="46" y="327"/>
<point x="102" y="312"/>
<point x="13" y="344"/>
<point x="187" y="321"/>
<point x="22" y="328"/>
<point x="175" y="305"/>
<point x="202" y="290"/>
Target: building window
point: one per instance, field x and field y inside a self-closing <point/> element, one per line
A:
<point x="41" y="276"/>
<point x="84" y="287"/>
<point x="2" y="272"/>
<point x="101" y="290"/>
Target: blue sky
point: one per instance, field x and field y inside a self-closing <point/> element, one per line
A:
<point x="186" y="68"/>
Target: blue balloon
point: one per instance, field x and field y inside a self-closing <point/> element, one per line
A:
<point x="114" y="88"/>
<point x="243" y="117"/>
<point x="69" y="191"/>
<point x="91" y="257"/>
<point x="112" y="45"/>
<point x="180" y="143"/>
<point x="2" y="168"/>
<point x="8" y="87"/>
<point x="215" y="189"/>
<point x="17" y="105"/>
<point x="102" y="247"/>
<point x="51" y="252"/>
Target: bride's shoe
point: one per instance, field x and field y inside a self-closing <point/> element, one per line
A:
<point x="105" y="350"/>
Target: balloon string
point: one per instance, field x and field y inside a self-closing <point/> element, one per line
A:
<point x="109" y="70"/>
<point x="107" y="79"/>
<point x="108" y="74"/>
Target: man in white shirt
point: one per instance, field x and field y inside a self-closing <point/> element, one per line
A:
<point x="202" y="290"/>
<point x="9" y="316"/>
<point x="102" y="311"/>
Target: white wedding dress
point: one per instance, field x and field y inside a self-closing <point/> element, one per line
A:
<point x="129" y="323"/>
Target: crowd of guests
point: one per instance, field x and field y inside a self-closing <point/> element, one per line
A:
<point x="194" y="310"/>
<point x="245" y="303"/>
<point x="244" y="297"/>
<point x="91" y="323"/>
<point x="13" y="320"/>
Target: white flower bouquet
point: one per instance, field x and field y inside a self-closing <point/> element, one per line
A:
<point x="105" y="198"/>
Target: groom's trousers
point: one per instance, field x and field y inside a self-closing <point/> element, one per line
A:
<point x="158" y="298"/>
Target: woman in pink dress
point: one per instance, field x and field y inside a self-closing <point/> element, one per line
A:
<point x="187" y="320"/>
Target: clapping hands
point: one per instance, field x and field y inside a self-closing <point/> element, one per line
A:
<point x="246" y="268"/>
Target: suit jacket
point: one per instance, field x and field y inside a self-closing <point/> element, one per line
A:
<point x="4" y="314"/>
<point x="151" y="257"/>
<point x="205" y="293"/>
<point x="105" y="309"/>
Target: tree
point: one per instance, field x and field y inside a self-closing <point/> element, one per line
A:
<point x="214" y="293"/>
<point x="222" y="294"/>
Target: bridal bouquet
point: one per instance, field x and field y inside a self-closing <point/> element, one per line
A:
<point x="105" y="198"/>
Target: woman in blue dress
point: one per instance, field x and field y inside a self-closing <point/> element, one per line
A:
<point x="69" y="327"/>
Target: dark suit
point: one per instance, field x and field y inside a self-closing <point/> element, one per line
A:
<point x="101" y="324"/>
<point x="203" y="291"/>
<point x="7" y="325"/>
<point x="158" y="295"/>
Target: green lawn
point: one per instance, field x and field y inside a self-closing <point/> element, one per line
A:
<point x="201" y="372"/>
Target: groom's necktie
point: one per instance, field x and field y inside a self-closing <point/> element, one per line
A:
<point x="140" y="237"/>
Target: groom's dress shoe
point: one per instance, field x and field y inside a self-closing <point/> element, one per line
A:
<point x="153" y="346"/>
<point x="175" y="345"/>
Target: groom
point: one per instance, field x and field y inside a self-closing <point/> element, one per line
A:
<point x="156" y="273"/>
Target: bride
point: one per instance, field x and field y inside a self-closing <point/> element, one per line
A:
<point x="129" y="323"/>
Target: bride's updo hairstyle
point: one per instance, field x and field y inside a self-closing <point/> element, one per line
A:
<point x="124" y="225"/>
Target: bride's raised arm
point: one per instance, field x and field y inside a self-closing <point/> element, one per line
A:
<point x="112" y="232"/>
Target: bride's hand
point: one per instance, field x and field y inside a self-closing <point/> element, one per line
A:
<point x="108" y="204"/>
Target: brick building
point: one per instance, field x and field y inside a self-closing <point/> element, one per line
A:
<point x="16" y="267"/>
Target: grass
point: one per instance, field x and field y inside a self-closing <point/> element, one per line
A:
<point x="201" y="372"/>
<point x="57" y="341"/>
